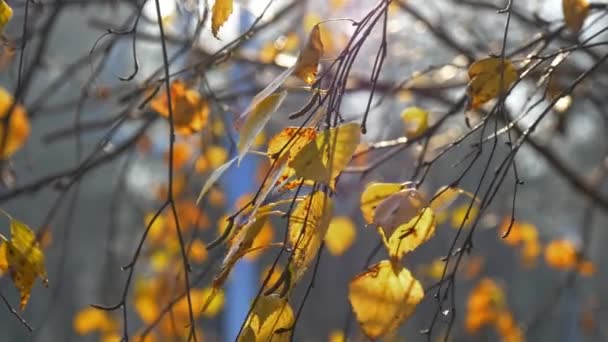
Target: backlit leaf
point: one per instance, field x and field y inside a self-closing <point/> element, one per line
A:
<point x="409" y="236"/>
<point x="214" y="177"/>
<point x="255" y="121"/>
<point x="221" y="11"/>
<point x="485" y="76"/>
<point x="416" y="121"/>
<point x="340" y="235"/>
<point x="18" y="127"/>
<point x="446" y="196"/>
<point x="90" y="320"/>
<point x="290" y="141"/>
<point x="25" y="259"/>
<point x="575" y="13"/>
<point x="561" y="254"/>
<point x="307" y="228"/>
<point x="397" y="209"/>
<point x="383" y="297"/>
<point x="190" y="110"/>
<point x="308" y="60"/>
<point x="270" y="320"/>
<point x="323" y="159"/>
<point x="373" y="195"/>
<point x="6" y="13"/>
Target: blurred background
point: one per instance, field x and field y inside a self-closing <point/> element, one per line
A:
<point x="80" y="110"/>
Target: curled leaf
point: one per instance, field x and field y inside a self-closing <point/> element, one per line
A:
<point x="383" y="297"/>
<point x="397" y="209"/>
<point x="308" y="60"/>
<point x="214" y="177"/>
<point x="409" y="236"/>
<point x="373" y="195"/>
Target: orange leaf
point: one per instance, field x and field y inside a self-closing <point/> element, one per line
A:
<point x="190" y="110"/>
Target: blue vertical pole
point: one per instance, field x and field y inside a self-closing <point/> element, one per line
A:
<point x="241" y="287"/>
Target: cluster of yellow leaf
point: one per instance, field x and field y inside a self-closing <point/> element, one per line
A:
<point x="489" y="78"/>
<point x="18" y="126"/>
<point x="562" y="254"/>
<point x="522" y="234"/>
<point x="575" y="13"/>
<point x="6" y="13"/>
<point x="487" y="306"/>
<point x="190" y="110"/>
<point x="22" y="256"/>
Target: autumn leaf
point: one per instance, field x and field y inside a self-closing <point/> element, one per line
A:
<point x="323" y="159"/>
<point x="89" y="320"/>
<point x="6" y="13"/>
<point x="289" y="142"/>
<point x="255" y="121"/>
<point x="340" y="235"/>
<point x="575" y="13"/>
<point x="397" y="209"/>
<point x="308" y="60"/>
<point x="409" y="236"/>
<point x="446" y="196"/>
<point x="416" y="121"/>
<point x="485" y="77"/>
<point x="221" y="11"/>
<point x="464" y="215"/>
<point x="561" y="254"/>
<point x="308" y="225"/>
<point x="213" y="178"/>
<point x="25" y="259"/>
<point x="373" y="195"/>
<point x="18" y="127"/>
<point x="190" y="110"/>
<point x="270" y="320"/>
<point x="383" y="297"/>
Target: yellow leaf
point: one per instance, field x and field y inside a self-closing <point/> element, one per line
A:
<point x="256" y="119"/>
<point x="222" y="9"/>
<point x="416" y="121"/>
<point x="323" y="159"/>
<point x="397" y="209"/>
<point x="340" y="235"/>
<point x="409" y="236"/>
<point x="270" y="320"/>
<point x="290" y="141"/>
<point x="18" y="127"/>
<point x="25" y="259"/>
<point x="3" y="261"/>
<point x="6" y="13"/>
<point x="373" y="195"/>
<point x="575" y="13"/>
<point x="447" y="195"/>
<point x="307" y="228"/>
<point x="263" y="239"/>
<point x="337" y="336"/>
<point x="182" y="152"/>
<point x="190" y="110"/>
<point x="146" y="304"/>
<point x="460" y="214"/>
<point x="308" y="60"/>
<point x="485" y="76"/>
<point x="89" y="320"/>
<point x="561" y="254"/>
<point x="198" y="251"/>
<point x="383" y="297"/>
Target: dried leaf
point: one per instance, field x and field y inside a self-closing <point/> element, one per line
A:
<point x="18" y="127"/>
<point x="190" y="110"/>
<point x="373" y="195"/>
<point x="340" y="235"/>
<point x="575" y="13"/>
<point x="270" y="320"/>
<point x="308" y="60"/>
<point x="323" y="159"/>
<point x="256" y="119"/>
<point x="221" y="11"/>
<point x="383" y="297"/>
<point x="307" y="228"/>
<point x="485" y="76"/>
